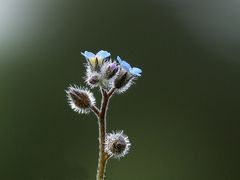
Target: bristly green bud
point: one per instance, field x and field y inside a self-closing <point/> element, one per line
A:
<point x="93" y="79"/>
<point x="80" y="100"/>
<point x="117" y="144"/>
<point x="123" y="81"/>
<point x="111" y="70"/>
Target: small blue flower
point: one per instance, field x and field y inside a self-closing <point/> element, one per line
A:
<point x="133" y="70"/>
<point x="100" y="55"/>
<point x="103" y="54"/>
<point x="97" y="59"/>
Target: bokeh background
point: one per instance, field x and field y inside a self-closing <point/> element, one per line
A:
<point x="182" y="115"/>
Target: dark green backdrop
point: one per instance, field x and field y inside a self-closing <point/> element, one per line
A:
<point x="182" y="115"/>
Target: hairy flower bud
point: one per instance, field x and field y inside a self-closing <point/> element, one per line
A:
<point x="92" y="79"/>
<point x="111" y="70"/>
<point x="123" y="81"/>
<point x="117" y="144"/>
<point x="80" y="100"/>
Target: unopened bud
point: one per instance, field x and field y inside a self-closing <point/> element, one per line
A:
<point x="117" y="144"/>
<point x="123" y="81"/>
<point x="80" y="100"/>
<point x="93" y="80"/>
<point x="111" y="70"/>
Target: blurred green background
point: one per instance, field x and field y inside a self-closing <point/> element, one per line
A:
<point x="182" y="116"/>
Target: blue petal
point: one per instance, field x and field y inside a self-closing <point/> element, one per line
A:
<point x="125" y="65"/>
<point x="103" y="54"/>
<point x="119" y="59"/>
<point x="136" y="71"/>
<point x="88" y="55"/>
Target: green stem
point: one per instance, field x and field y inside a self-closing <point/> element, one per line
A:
<point x="103" y="157"/>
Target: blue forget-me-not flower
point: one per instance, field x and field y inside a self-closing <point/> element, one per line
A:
<point x="96" y="60"/>
<point x="133" y="70"/>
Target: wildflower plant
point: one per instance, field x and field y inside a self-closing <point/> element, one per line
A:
<point x="110" y="76"/>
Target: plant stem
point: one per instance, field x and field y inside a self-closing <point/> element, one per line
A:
<point x="103" y="157"/>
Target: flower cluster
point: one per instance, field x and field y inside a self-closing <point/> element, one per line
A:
<point x="104" y="72"/>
